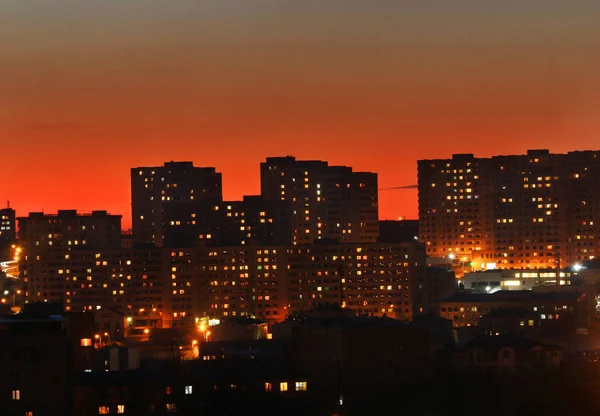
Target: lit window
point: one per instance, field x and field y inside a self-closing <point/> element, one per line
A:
<point x="171" y="408"/>
<point x="283" y="386"/>
<point x="169" y="390"/>
<point x="188" y="389"/>
<point x="86" y="342"/>
<point x="120" y="408"/>
<point x="300" y="385"/>
<point x="16" y="394"/>
<point x="103" y="410"/>
<point x="268" y="387"/>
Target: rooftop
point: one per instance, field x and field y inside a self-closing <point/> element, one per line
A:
<point x="495" y="343"/>
<point x="515" y="296"/>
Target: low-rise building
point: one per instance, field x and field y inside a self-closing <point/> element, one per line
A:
<point x="505" y="353"/>
<point x="466" y="309"/>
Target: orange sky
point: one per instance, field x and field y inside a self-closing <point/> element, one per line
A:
<point x="90" y="89"/>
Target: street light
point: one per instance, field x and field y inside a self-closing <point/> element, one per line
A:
<point x="577" y="267"/>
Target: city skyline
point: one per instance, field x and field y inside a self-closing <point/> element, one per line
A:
<point x="409" y="190"/>
<point x="226" y="85"/>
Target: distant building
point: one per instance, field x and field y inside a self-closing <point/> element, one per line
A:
<point x="491" y="281"/>
<point x="49" y="238"/>
<point x="177" y="194"/>
<point x="518" y="322"/>
<point x="164" y="287"/>
<point x="533" y="211"/>
<point x="70" y="230"/>
<point x="252" y="221"/>
<point x="8" y="232"/>
<point x="243" y="281"/>
<point x="374" y="279"/>
<point x="403" y="231"/>
<point x="467" y="309"/>
<point x="326" y="202"/>
<point x="506" y="354"/>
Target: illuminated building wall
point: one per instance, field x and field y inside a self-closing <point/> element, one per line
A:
<point x="238" y="281"/>
<point x="43" y="237"/>
<point x="452" y="207"/>
<point x="176" y="193"/>
<point x="374" y="279"/>
<point x="325" y="201"/>
<point x="525" y="211"/>
<point x="268" y="282"/>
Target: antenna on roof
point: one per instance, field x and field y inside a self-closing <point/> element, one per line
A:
<point x="7" y="204"/>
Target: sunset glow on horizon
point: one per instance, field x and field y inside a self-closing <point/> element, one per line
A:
<point x="89" y="90"/>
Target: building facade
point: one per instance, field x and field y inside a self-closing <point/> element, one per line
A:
<point x="177" y="194"/>
<point x="533" y="211"/>
<point x="8" y="231"/>
<point x="467" y="309"/>
<point x="374" y="279"/>
<point x="325" y="202"/>
<point x="47" y="239"/>
<point x="174" y="287"/>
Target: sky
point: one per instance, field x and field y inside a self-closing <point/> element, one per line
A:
<point x="89" y="89"/>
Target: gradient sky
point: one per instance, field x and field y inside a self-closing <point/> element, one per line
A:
<point x="91" y="88"/>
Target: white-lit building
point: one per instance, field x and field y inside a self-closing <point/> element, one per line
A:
<point x="491" y="281"/>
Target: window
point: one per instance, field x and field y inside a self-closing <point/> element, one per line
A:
<point x="171" y="408"/>
<point x="86" y="342"/>
<point x="268" y="387"/>
<point x="188" y="389"/>
<point x="103" y="410"/>
<point x="16" y="394"/>
<point x="120" y="408"/>
<point x="300" y="385"/>
<point x="169" y="390"/>
<point x="283" y="386"/>
<point x="28" y="413"/>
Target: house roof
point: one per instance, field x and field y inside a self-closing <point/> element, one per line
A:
<point x="496" y="343"/>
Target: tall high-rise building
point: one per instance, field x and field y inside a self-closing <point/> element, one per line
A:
<point x="8" y="231"/>
<point x="177" y="194"/>
<point x="42" y="236"/>
<point x="326" y="202"/>
<point x="254" y="220"/>
<point x="538" y="210"/>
